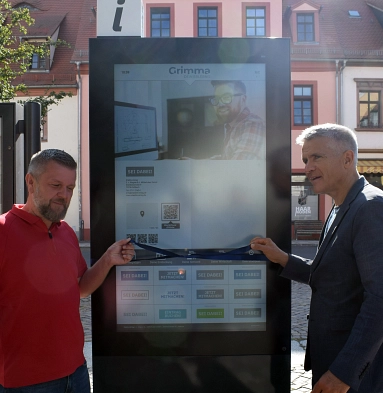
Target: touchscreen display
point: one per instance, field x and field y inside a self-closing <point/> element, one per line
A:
<point x="190" y="176"/>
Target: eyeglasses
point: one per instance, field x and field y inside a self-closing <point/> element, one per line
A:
<point x="224" y="99"/>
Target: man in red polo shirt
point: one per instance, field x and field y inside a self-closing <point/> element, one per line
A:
<point x="43" y="275"/>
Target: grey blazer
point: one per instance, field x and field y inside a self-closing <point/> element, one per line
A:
<point x="345" y="328"/>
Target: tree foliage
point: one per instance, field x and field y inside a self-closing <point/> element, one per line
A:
<point x="16" y="54"/>
<point x="51" y="98"/>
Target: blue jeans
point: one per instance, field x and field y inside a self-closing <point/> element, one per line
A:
<point x="78" y="382"/>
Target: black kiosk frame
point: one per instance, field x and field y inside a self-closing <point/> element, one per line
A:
<point x="198" y="358"/>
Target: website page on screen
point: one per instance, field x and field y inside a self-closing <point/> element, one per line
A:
<point x="190" y="176"/>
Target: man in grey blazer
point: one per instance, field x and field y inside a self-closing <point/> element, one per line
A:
<point x="345" y="332"/>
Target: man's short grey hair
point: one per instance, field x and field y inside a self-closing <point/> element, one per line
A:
<point x="340" y="134"/>
<point x="40" y="160"/>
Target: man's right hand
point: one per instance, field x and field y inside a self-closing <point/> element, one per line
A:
<point x="270" y="249"/>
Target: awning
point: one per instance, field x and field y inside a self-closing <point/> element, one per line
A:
<point x="370" y="166"/>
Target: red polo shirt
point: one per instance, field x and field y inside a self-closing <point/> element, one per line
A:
<point x="41" y="336"/>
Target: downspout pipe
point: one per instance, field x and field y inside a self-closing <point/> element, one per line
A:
<point x="337" y="90"/>
<point x="79" y="178"/>
<point x="341" y="91"/>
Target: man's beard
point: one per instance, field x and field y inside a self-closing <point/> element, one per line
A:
<point x="50" y="214"/>
<point x="228" y="116"/>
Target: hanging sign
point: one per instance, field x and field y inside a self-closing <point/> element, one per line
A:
<point x="119" y="18"/>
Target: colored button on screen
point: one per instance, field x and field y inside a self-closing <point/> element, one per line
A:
<point x="172" y="314"/>
<point x="247" y="313"/>
<point x="210" y="313"/>
<point x="134" y="276"/>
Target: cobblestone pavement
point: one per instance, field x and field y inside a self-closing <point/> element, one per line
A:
<point x="300" y="299"/>
<point x="86" y="319"/>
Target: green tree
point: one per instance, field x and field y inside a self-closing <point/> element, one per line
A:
<point x="51" y="98"/>
<point x="16" y="54"/>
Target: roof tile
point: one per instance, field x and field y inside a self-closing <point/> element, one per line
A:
<point x="341" y="37"/>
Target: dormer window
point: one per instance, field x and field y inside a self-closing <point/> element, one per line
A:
<point x="38" y="63"/>
<point x="304" y="22"/>
<point x="305" y="27"/>
<point x="44" y="31"/>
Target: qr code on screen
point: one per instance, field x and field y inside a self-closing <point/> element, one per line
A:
<point x="131" y="236"/>
<point x="170" y="211"/>
<point x="142" y="238"/>
<point x="153" y="238"/>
